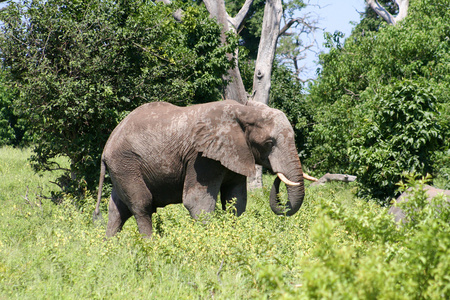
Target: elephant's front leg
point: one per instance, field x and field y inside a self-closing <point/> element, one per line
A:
<point x="234" y="187"/>
<point x="202" y="185"/>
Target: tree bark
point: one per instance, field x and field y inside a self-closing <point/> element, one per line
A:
<point x="266" y="50"/>
<point x="235" y="89"/>
<point x="382" y="12"/>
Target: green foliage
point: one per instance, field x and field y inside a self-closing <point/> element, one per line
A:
<point x="379" y="63"/>
<point x="337" y="246"/>
<point x="80" y="66"/>
<point x="362" y="254"/>
<point x="6" y="115"/>
<point x="397" y="131"/>
<point x="12" y="127"/>
<point x="251" y="32"/>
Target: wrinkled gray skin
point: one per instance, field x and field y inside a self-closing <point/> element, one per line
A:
<point x="162" y="154"/>
<point x="432" y="192"/>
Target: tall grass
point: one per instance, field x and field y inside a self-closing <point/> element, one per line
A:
<point x="336" y="246"/>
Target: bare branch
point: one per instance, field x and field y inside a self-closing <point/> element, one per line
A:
<point x="403" y="9"/>
<point x="220" y="270"/>
<point x="26" y="196"/>
<point x="353" y="94"/>
<point x="307" y="26"/>
<point x="382" y="12"/>
<point x="288" y="25"/>
<point x="334" y="177"/>
<point x="236" y="21"/>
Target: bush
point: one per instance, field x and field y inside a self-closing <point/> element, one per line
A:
<point x="397" y="132"/>
<point x="361" y="254"/>
<point x="6" y="116"/>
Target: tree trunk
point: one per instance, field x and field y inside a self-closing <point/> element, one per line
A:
<point x="266" y="50"/>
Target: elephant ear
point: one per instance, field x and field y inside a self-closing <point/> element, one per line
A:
<point x="225" y="142"/>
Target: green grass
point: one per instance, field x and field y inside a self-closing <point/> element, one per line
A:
<point x="335" y="247"/>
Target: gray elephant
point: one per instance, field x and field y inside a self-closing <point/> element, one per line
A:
<point x="162" y="154"/>
<point x="431" y="192"/>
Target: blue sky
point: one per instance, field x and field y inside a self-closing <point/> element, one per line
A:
<point x="332" y="15"/>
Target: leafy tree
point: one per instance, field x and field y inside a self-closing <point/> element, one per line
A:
<point x="80" y="66"/>
<point x="378" y="65"/>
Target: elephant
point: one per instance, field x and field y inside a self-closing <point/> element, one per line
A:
<point x="164" y="154"/>
<point x="431" y="192"/>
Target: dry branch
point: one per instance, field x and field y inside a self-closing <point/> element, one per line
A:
<point x="382" y="12"/>
<point x="334" y="177"/>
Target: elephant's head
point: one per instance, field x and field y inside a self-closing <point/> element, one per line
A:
<point x="241" y="135"/>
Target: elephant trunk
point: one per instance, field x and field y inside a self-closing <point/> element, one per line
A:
<point x="295" y="190"/>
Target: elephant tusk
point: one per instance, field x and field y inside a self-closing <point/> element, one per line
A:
<point x="287" y="181"/>
<point x="310" y="178"/>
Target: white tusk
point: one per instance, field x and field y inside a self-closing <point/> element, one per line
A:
<point x="287" y="181"/>
<point x="310" y="178"/>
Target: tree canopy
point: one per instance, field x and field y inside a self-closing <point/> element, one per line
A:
<point x="381" y="100"/>
<point x="79" y="66"/>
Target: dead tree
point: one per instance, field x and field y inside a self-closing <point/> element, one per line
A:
<point x="382" y="12"/>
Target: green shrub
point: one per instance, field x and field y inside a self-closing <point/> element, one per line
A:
<point x="359" y="253"/>
<point x="397" y="132"/>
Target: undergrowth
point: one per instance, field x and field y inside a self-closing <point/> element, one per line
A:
<point x="336" y="247"/>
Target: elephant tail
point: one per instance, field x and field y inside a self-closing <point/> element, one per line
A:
<point x="97" y="214"/>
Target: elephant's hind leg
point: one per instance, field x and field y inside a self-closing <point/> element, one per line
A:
<point x="139" y="202"/>
<point x="118" y="214"/>
<point x="141" y="206"/>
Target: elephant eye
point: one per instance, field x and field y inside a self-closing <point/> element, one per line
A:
<point x="269" y="144"/>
